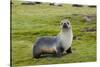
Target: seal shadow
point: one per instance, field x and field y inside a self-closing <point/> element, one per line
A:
<point x="53" y="55"/>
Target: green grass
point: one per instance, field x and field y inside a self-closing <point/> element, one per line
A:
<point x="30" y="22"/>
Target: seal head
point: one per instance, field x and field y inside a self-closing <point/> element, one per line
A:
<point x="65" y="25"/>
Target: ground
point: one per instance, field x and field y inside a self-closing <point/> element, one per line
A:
<point x="32" y="21"/>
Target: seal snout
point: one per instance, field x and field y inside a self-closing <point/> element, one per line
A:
<point x="65" y="25"/>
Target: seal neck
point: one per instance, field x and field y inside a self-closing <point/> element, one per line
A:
<point x="66" y="33"/>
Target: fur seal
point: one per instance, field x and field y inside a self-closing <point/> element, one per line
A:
<point x="55" y="44"/>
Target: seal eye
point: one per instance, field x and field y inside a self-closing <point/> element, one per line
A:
<point x="61" y="23"/>
<point x="68" y="23"/>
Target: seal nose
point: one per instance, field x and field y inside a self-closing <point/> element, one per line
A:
<point x="64" y="23"/>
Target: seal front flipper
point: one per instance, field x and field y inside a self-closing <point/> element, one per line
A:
<point x="69" y="50"/>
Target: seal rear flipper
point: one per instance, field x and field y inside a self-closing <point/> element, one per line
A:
<point x="36" y="55"/>
<point x="36" y="52"/>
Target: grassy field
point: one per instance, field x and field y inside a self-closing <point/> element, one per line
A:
<point x="32" y="21"/>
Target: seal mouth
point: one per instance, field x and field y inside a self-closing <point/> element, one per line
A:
<point x="65" y="25"/>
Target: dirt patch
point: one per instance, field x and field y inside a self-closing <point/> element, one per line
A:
<point x="89" y="30"/>
<point x="89" y="18"/>
<point x="77" y="37"/>
<point x="77" y="5"/>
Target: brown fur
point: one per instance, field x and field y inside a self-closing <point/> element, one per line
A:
<point x="47" y="50"/>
